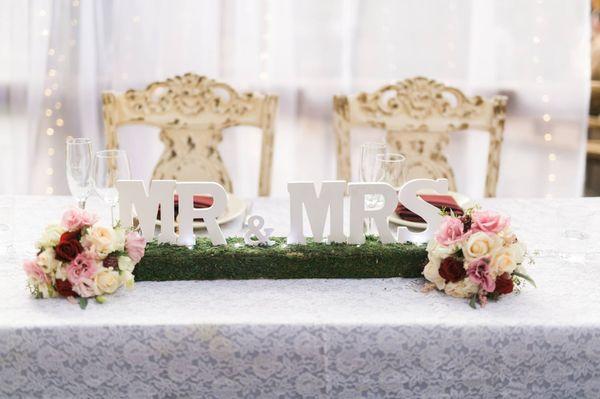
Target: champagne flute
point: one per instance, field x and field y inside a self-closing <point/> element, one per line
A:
<point x="79" y="168"/>
<point x="109" y="167"/>
<point x="369" y="173"/>
<point x="392" y="169"/>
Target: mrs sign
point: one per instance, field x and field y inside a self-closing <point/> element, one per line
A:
<point x="303" y="195"/>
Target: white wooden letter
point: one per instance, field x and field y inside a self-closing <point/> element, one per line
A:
<point x="134" y="193"/>
<point x="409" y="198"/>
<point x="330" y="198"/>
<point x="187" y="212"/>
<point x="358" y="213"/>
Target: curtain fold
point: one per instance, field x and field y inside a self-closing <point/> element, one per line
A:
<point x="58" y="56"/>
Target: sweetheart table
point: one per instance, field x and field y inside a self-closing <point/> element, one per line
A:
<point x="373" y="338"/>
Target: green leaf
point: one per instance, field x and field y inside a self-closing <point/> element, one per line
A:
<point x="473" y="301"/>
<point x="526" y="277"/>
<point x="100" y="299"/>
<point x="83" y="302"/>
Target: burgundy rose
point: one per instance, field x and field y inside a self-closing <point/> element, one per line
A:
<point x="69" y="246"/>
<point x="112" y="260"/>
<point x="452" y="270"/>
<point x="64" y="288"/>
<point x="504" y="284"/>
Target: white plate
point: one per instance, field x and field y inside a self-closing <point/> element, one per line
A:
<point x="235" y="208"/>
<point x="462" y="200"/>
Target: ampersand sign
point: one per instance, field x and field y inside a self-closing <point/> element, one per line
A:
<point x="254" y="236"/>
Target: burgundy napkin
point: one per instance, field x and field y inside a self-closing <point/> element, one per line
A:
<point x="200" y="201"/>
<point x="439" y="201"/>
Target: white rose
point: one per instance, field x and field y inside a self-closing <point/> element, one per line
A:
<point x="503" y="261"/>
<point x="61" y="272"/>
<point x="126" y="264"/>
<point x="127" y="279"/>
<point x="432" y="272"/>
<point x="48" y="262"/>
<point x="436" y="249"/>
<point x="519" y="250"/>
<point x="481" y="244"/>
<point x="119" y="239"/>
<point x="50" y="236"/>
<point x="107" y="280"/>
<point x="101" y="239"/>
<point x="463" y="289"/>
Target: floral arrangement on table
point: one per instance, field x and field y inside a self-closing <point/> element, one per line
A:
<point x="476" y="256"/>
<point x="80" y="259"/>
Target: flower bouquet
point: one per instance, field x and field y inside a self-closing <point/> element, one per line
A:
<point x="80" y="259"/>
<point x="476" y="256"/>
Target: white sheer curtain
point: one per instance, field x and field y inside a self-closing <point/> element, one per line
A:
<point x="58" y="55"/>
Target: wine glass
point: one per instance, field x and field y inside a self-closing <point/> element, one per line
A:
<point x="79" y="168"/>
<point x="110" y="166"/>
<point x="391" y="169"/>
<point x="369" y="173"/>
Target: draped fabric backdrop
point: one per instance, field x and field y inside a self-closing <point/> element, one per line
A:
<point x="57" y="56"/>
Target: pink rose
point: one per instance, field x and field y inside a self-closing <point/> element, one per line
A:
<point x="479" y="273"/>
<point x="75" y="218"/>
<point x="84" y="266"/>
<point x="35" y="272"/>
<point x="85" y="288"/>
<point x="450" y="231"/>
<point x="135" y="245"/>
<point x="488" y="222"/>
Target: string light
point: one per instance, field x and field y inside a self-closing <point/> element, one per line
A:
<point x="49" y="171"/>
<point x="50" y="151"/>
<point x="545" y="98"/>
<point x="48" y="112"/>
<point x="49" y="131"/>
<point x="49" y="190"/>
<point x="59" y="122"/>
<point x="48" y="92"/>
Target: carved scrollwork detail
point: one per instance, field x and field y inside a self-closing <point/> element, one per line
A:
<point x="419" y="98"/>
<point x="189" y="95"/>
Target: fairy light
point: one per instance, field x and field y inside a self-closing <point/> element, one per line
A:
<point x="49" y="190"/>
<point x="50" y="131"/>
<point x="537" y="40"/>
<point x="50" y="151"/>
<point x="48" y="112"/>
<point x="60" y="122"/>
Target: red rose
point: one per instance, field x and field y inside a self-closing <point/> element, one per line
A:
<point x="68" y="247"/>
<point x="504" y="284"/>
<point x="452" y="270"/>
<point x="64" y="288"/>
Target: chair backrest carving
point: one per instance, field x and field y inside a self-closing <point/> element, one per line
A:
<point x="418" y="114"/>
<point x="192" y="111"/>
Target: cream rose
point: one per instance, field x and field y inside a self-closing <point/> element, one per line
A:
<point x="463" y="289"/>
<point x="107" y="280"/>
<point x="48" y="262"/>
<point x="481" y="244"/>
<point x="503" y="261"/>
<point x="101" y="239"/>
<point x="432" y="272"/>
<point x="126" y="264"/>
<point x="50" y="236"/>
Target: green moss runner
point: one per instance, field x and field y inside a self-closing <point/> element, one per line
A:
<point x="164" y="262"/>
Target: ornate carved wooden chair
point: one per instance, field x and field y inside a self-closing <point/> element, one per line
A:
<point x="191" y="112"/>
<point x="418" y="115"/>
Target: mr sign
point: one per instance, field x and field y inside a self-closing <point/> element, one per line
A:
<point x="303" y="196"/>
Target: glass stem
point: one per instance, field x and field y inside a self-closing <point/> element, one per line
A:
<point x="112" y="215"/>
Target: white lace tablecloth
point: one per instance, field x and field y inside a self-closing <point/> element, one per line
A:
<point x="313" y="338"/>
